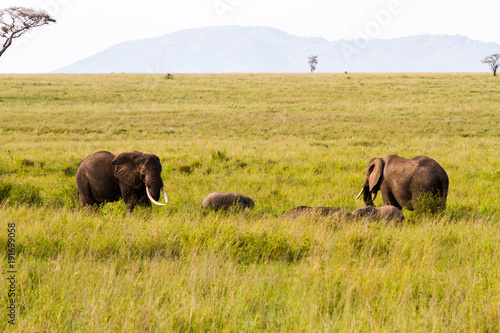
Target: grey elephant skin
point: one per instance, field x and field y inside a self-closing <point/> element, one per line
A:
<point x="388" y="213"/>
<point x="226" y="201"/>
<point x="302" y="210"/>
<point x="104" y="177"/>
<point x="403" y="182"/>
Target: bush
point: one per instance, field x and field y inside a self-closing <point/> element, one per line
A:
<point x="428" y="203"/>
<point x="26" y="162"/>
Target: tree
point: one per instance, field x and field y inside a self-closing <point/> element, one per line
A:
<point x="493" y="61"/>
<point x="313" y="61"/>
<point x="15" y="21"/>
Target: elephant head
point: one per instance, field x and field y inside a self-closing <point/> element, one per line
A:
<point x="373" y="178"/>
<point x="136" y="168"/>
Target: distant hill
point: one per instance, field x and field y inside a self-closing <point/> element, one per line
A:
<point x="262" y="50"/>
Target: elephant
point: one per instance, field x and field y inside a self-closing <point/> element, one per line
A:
<point x="226" y="201"/>
<point x="133" y="176"/>
<point x="403" y="182"/>
<point x="301" y="210"/>
<point x="379" y="213"/>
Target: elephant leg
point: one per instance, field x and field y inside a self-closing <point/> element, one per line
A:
<point x="129" y="196"/>
<point x="389" y="200"/>
<point x="142" y="198"/>
<point x="86" y="196"/>
<point x="130" y="201"/>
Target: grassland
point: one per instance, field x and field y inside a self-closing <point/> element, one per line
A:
<point x="284" y="140"/>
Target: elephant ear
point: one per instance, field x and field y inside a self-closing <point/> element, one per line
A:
<point x="375" y="170"/>
<point x="126" y="168"/>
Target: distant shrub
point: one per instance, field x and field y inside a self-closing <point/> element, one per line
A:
<point x="241" y="164"/>
<point x="189" y="169"/>
<point x="196" y="164"/>
<point x="26" y="162"/>
<point x="219" y="156"/>
<point x="70" y="171"/>
<point x="186" y="169"/>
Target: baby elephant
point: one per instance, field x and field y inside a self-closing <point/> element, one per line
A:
<point x="301" y="210"/>
<point x="388" y="213"/>
<point x="226" y="201"/>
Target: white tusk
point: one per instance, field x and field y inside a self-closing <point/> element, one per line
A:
<point x="362" y="190"/>
<point x="374" y="196"/>
<point x="164" y="194"/>
<point x="153" y="200"/>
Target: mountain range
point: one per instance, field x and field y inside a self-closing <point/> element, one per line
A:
<point x="238" y="49"/>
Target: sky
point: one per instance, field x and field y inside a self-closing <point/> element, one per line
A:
<point x="86" y="27"/>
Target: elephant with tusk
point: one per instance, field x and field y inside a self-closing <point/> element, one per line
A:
<point x="134" y="176"/>
<point x="403" y="182"/>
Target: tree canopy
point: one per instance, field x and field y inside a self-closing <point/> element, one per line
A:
<point x="493" y="61"/>
<point x="313" y="61"/>
<point x="15" y="21"/>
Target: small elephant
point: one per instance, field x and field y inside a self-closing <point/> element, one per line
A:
<point x="388" y="213"/>
<point x="301" y="210"/>
<point x="403" y="181"/>
<point x="226" y="201"/>
<point x="104" y="177"/>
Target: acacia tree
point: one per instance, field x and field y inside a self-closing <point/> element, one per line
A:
<point x="493" y="61"/>
<point x="313" y="61"/>
<point x="15" y="21"/>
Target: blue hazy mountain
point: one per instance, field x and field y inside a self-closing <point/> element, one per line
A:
<point x="236" y="49"/>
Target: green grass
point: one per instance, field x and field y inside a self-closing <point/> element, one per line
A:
<point x="284" y="140"/>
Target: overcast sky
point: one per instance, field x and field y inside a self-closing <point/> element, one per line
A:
<point x="85" y="27"/>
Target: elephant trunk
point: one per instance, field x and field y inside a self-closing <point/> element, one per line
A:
<point x="367" y="195"/>
<point x="368" y="199"/>
<point x="154" y="187"/>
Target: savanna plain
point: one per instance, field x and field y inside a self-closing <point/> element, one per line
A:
<point x="284" y="140"/>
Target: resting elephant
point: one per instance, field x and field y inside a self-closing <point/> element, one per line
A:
<point x="104" y="177"/>
<point x="379" y="213"/>
<point x="226" y="201"/>
<point x="301" y="210"/>
<point x="403" y="181"/>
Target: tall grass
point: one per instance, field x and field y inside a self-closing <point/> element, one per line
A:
<point x="284" y="140"/>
